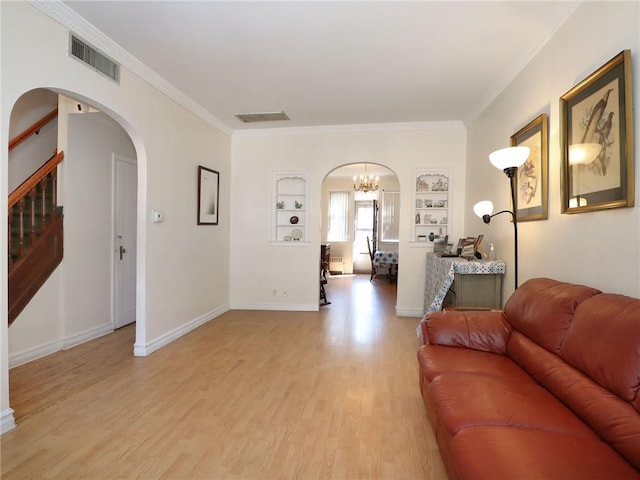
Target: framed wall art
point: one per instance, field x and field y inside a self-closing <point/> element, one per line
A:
<point x="208" y="196"/>
<point x="532" y="177"/>
<point x="597" y="140"/>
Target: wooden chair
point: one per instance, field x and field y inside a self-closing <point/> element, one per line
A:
<point x="324" y="267"/>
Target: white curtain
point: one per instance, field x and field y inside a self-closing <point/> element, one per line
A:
<point x="338" y="217"/>
<point x="390" y="217"/>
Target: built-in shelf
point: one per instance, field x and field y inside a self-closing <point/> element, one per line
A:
<point x="290" y="208"/>
<point x="431" y="206"/>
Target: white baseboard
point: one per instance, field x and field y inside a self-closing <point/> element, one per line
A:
<point x="34" y="353"/>
<point x="7" y="421"/>
<point x="45" y="349"/>
<point x="167" y="338"/>
<point x="409" y="312"/>
<point x="87" y="335"/>
<point x="301" y="307"/>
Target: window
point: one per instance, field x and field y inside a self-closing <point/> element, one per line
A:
<point x="390" y="217"/>
<point x="338" y="217"/>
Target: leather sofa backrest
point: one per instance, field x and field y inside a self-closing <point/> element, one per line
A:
<point x="584" y="347"/>
<point x="603" y="341"/>
<point x="542" y="309"/>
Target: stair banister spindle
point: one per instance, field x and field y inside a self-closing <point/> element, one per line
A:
<point x="21" y="225"/>
<point x="32" y="227"/>
<point x="54" y="191"/>
<point x="43" y="192"/>
<point x="9" y="235"/>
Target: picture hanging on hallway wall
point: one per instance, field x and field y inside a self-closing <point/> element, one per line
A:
<point x="208" y="196"/>
<point x="532" y="177"/>
<point x="597" y="139"/>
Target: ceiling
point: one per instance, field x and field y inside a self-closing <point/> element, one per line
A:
<point x="324" y="62"/>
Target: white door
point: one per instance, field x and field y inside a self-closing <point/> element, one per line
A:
<point x="363" y="228"/>
<point x="125" y="220"/>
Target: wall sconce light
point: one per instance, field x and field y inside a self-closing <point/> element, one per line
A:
<point x="508" y="160"/>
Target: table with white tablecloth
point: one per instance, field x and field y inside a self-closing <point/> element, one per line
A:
<point x="440" y="273"/>
<point x="386" y="259"/>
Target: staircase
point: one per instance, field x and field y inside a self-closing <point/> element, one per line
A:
<point x="35" y="230"/>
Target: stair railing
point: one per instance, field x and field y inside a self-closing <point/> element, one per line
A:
<point x="31" y="207"/>
<point x="35" y="128"/>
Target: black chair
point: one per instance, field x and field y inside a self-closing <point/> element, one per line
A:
<point x="371" y="255"/>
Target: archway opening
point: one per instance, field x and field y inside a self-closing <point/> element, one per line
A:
<point x="77" y="303"/>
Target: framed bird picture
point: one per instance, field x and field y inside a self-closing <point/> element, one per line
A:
<point x="597" y="140"/>
<point x="531" y="179"/>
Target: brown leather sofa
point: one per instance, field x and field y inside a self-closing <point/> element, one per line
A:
<point x="547" y="389"/>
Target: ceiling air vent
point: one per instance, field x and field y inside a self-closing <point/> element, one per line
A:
<point x="262" y="117"/>
<point x="95" y="59"/>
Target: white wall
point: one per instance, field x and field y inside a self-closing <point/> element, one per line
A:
<point x="28" y="156"/>
<point x="260" y="267"/>
<point x="599" y="249"/>
<point x="182" y="268"/>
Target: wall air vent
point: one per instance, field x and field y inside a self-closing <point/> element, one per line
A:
<point x="88" y="55"/>
<point x="262" y="117"/>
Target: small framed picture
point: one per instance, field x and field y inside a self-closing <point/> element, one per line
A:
<point x="208" y="196"/>
<point x="597" y="139"/>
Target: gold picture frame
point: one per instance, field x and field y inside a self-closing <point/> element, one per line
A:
<point x="532" y="177"/>
<point x="597" y="140"/>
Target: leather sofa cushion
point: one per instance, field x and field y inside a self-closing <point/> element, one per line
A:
<point x="534" y="454"/>
<point x="464" y="400"/>
<point x="542" y="309"/>
<point x="615" y="420"/>
<point x="435" y="360"/>
<point x="604" y="342"/>
<point x="479" y="330"/>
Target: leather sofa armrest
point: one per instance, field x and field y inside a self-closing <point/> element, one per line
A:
<point x="487" y="331"/>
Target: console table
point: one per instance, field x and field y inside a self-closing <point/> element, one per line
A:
<point x="457" y="282"/>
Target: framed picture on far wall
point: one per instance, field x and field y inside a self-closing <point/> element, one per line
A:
<point x="597" y="139"/>
<point x="208" y="196"/>
<point x="532" y="176"/>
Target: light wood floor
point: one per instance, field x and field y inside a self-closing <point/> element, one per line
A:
<point x="249" y="395"/>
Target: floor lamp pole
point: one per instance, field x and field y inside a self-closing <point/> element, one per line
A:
<point x="511" y="173"/>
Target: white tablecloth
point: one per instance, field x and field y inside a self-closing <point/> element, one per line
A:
<point x="385" y="257"/>
<point x="441" y="271"/>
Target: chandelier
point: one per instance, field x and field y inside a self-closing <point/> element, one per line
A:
<point x="365" y="183"/>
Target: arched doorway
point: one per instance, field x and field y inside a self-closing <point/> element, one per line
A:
<point x="349" y="217"/>
<point x="75" y="303"/>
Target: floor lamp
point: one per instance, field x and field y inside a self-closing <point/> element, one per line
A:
<point x="508" y="160"/>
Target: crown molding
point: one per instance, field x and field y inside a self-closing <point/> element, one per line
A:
<point x="67" y="17"/>
<point x="565" y="10"/>
<point x="353" y="128"/>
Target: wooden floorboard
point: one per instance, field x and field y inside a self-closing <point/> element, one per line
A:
<point x="250" y="395"/>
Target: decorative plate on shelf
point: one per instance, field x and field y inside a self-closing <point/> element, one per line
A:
<point x="296" y="234"/>
<point x="293" y="220"/>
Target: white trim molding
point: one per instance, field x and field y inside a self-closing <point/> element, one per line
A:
<point x="67" y="17"/>
<point x="45" y="349"/>
<point x="409" y="312"/>
<point x="167" y="338"/>
<point x="296" y="307"/>
<point x="7" y="421"/>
